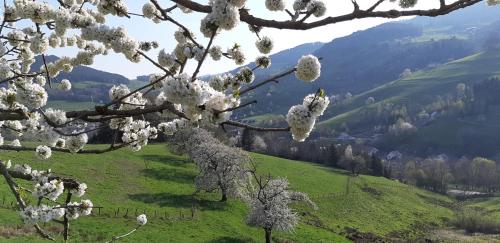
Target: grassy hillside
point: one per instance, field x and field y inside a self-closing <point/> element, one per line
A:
<point x="421" y="89"/>
<point x="154" y="180"/>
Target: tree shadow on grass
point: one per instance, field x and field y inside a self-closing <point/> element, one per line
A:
<point x="174" y="175"/>
<point x="166" y="199"/>
<point x="167" y="159"/>
<point x="336" y="171"/>
<point x="227" y="239"/>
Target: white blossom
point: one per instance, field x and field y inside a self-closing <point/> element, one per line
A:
<point x="165" y="59"/>
<point x="316" y="104"/>
<point x="301" y="122"/>
<point x="265" y="45"/>
<point x="317" y="7"/>
<point x="51" y="190"/>
<point x="142" y="219"/>
<point x="56" y="116"/>
<point x="308" y="68"/>
<point x="43" y="152"/>
<point x="80" y="191"/>
<point x="76" y="143"/>
<point x="23" y="169"/>
<point x="65" y="85"/>
<point x="275" y="5"/>
<point x="215" y="52"/>
<point x="15" y="143"/>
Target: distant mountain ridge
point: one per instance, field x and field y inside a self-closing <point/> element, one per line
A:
<point x="83" y="73"/>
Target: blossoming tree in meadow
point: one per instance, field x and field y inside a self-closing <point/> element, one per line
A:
<point x="29" y="28"/>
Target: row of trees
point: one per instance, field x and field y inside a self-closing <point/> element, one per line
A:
<point x="436" y="174"/>
<point x="321" y="151"/>
<point x="230" y="171"/>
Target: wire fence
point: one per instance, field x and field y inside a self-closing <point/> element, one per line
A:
<point x="181" y="214"/>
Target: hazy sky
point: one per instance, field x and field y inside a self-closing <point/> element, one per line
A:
<point x="144" y="30"/>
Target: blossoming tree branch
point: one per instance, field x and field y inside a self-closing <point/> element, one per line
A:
<point x="30" y="27"/>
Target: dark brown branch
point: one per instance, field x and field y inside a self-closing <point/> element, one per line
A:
<point x="68" y="183"/>
<point x="165" y="16"/>
<point x="46" y="70"/>
<point x="205" y="52"/>
<point x="246" y="17"/>
<point x="66" y="219"/>
<point x="272" y="79"/>
<point x="374" y="6"/>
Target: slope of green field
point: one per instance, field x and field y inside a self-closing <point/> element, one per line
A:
<point x="420" y="88"/>
<point x="160" y="183"/>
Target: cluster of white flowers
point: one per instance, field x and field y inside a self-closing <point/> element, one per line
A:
<point x="215" y="52"/>
<point x="407" y="3"/>
<point x="134" y="101"/>
<point x="301" y="118"/>
<point x="75" y="209"/>
<point x="80" y="191"/>
<point x="151" y="12"/>
<point x="32" y="95"/>
<point x="166" y="59"/>
<point x="114" y="7"/>
<point x="181" y="90"/>
<point x="114" y="38"/>
<point x="65" y="85"/>
<point x="43" y="213"/>
<point x="225" y="15"/>
<point x="142" y="219"/>
<point x="7" y="164"/>
<point x="265" y="45"/>
<point x="216" y="105"/>
<point x="301" y="122"/>
<point x="56" y="116"/>
<point x="60" y="143"/>
<point x="275" y="5"/>
<point x="118" y="92"/>
<point x="493" y="2"/>
<point x="49" y="189"/>
<point x="236" y="54"/>
<point x="15" y="143"/>
<point x="315" y="7"/>
<point x="39" y="44"/>
<point x="169" y="128"/>
<point x="308" y="68"/>
<point x="43" y="152"/>
<point x="317" y="104"/>
<point x="76" y="143"/>
<point x="263" y="62"/>
<point x="137" y="133"/>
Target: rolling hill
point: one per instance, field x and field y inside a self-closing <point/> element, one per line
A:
<point x="161" y="184"/>
<point x="445" y="135"/>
